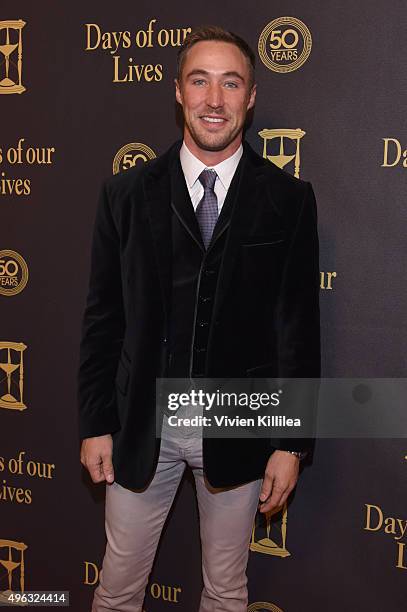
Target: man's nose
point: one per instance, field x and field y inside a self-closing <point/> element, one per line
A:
<point x="214" y="98"/>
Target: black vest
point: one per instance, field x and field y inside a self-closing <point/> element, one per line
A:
<point x="194" y="278"/>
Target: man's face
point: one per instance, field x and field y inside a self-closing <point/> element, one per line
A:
<point x="215" y="95"/>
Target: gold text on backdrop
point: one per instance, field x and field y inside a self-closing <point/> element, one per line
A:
<point x="393" y="154"/>
<point x="128" y="70"/>
<point x="376" y="521"/>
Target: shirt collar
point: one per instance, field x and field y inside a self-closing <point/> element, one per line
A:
<point x="192" y="166"/>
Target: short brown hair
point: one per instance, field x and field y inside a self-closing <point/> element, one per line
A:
<point x="215" y="33"/>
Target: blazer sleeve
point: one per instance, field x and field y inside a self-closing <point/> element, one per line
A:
<point x="103" y="328"/>
<point x="298" y="322"/>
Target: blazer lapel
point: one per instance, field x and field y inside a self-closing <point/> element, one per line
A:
<point x="223" y="221"/>
<point x="157" y="190"/>
<point x="182" y="205"/>
<point x="240" y="220"/>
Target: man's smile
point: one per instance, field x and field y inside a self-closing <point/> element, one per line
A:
<point x="213" y="121"/>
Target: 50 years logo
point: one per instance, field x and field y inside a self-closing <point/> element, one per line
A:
<point x="285" y="44"/>
<point x="13" y="272"/>
<point x="131" y="154"/>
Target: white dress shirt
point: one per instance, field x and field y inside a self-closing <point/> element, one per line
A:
<point x="192" y="168"/>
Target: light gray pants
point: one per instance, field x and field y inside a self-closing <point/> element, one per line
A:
<point x="134" y="521"/>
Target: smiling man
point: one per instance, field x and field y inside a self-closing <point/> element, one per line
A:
<point x="204" y="264"/>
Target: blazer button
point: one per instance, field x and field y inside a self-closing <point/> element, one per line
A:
<point x="203" y="323"/>
<point x="209" y="272"/>
<point x="200" y="349"/>
<point x="205" y="299"/>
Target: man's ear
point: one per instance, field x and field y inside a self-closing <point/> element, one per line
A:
<point x="178" y="95"/>
<point x="252" y="97"/>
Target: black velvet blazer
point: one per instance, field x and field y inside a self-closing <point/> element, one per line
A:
<point x="265" y="320"/>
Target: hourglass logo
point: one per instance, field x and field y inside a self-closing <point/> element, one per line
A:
<point x="130" y="155"/>
<point x="271" y="524"/>
<point x="12" y="375"/>
<point x="12" y="563"/>
<point x="278" y="149"/>
<point x="13" y="272"/>
<point x="285" y="44"/>
<point x="11" y="48"/>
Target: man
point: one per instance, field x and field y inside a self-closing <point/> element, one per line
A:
<point x="204" y="264"/>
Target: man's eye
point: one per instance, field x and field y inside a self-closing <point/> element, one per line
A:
<point x="230" y="84"/>
<point x="198" y="82"/>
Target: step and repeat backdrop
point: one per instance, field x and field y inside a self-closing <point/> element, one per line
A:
<point x="87" y="90"/>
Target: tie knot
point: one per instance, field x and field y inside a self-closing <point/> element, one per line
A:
<point x="208" y="178"/>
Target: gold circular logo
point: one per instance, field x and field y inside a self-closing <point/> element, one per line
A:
<point x="285" y="44"/>
<point x="260" y="606"/>
<point x="131" y="154"/>
<point x="13" y="272"/>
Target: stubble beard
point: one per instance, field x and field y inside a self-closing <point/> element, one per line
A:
<point x="213" y="142"/>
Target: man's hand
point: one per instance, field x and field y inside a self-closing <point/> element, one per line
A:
<point x="279" y="480"/>
<point x="96" y="457"/>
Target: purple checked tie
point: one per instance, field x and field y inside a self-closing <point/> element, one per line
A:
<point x="207" y="209"/>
